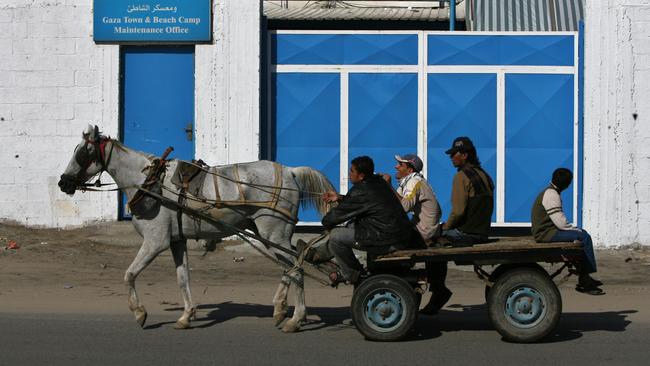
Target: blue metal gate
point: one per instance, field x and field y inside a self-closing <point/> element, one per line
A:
<point x="337" y="95"/>
<point x="157" y="105"/>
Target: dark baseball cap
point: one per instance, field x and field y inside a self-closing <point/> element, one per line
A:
<point x="412" y="159"/>
<point x="461" y="144"/>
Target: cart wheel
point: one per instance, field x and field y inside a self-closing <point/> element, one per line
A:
<point x="384" y="308"/>
<point x="524" y="305"/>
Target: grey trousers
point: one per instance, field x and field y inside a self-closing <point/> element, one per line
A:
<point x="341" y="244"/>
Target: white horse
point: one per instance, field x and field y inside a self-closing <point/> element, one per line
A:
<point x="262" y="196"/>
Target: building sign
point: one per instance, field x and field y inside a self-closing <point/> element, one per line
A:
<point x="152" y="21"/>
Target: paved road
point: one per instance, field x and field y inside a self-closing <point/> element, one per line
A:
<point x="62" y="302"/>
<point x="242" y="334"/>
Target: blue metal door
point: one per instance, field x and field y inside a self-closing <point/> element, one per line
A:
<point x="158" y="100"/>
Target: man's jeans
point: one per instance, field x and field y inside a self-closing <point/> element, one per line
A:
<point x="460" y="239"/>
<point x="587" y="246"/>
<point x="341" y="244"/>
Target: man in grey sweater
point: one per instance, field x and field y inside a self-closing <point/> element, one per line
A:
<point x="549" y="224"/>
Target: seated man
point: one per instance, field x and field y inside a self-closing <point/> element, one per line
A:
<point x="549" y="224"/>
<point x="417" y="196"/>
<point x="376" y="220"/>
<point x="472" y="195"/>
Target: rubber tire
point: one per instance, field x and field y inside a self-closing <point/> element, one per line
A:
<point x="513" y="280"/>
<point x="381" y="284"/>
<point x="487" y="293"/>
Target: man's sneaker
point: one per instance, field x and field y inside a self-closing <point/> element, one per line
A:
<point x="585" y="280"/>
<point x="594" y="291"/>
<point x="588" y="285"/>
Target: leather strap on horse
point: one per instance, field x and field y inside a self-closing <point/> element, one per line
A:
<point x="272" y="203"/>
<point x="153" y="176"/>
<point x="179" y="213"/>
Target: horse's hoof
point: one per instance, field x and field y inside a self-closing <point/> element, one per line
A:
<point x="182" y="324"/>
<point x="291" y="326"/>
<point x="279" y="317"/>
<point x="141" y="316"/>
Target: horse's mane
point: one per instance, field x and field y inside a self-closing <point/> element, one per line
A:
<point x="120" y="146"/>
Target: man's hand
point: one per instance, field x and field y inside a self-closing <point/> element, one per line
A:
<point x="330" y="196"/>
<point x="386" y="177"/>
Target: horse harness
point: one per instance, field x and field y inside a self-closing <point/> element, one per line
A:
<point x="84" y="159"/>
<point x="189" y="179"/>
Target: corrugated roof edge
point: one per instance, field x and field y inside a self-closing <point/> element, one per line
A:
<point x="401" y="14"/>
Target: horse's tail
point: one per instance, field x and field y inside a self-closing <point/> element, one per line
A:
<point x="312" y="184"/>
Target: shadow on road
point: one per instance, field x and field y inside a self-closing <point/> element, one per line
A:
<point x="475" y="317"/>
<point x="212" y="314"/>
<point x="458" y="318"/>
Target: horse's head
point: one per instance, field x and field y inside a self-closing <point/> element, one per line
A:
<point x="88" y="160"/>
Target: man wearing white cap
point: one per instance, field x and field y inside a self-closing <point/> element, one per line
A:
<point x="417" y="196"/>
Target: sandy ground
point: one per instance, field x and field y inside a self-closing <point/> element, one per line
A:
<point x="80" y="271"/>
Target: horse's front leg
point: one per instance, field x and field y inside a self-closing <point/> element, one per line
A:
<point x="179" y="252"/>
<point x="148" y="251"/>
<point x="297" y="277"/>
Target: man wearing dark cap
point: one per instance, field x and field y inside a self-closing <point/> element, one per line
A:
<point x="417" y="196"/>
<point x="472" y="197"/>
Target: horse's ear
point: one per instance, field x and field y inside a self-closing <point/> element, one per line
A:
<point x="86" y="134"/>
<point x="96" y="133"/>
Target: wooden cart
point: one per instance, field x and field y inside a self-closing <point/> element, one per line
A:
<point x="524" y="302"/>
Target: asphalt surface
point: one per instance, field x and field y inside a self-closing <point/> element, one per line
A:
<point x="63" y="302"/>
<point x="242" y="334"/>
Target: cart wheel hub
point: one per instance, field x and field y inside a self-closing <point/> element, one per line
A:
<point x="384" y="310"/>
<point x="525" y="307"/>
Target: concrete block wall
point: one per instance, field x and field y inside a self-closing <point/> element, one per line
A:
<point x="54" y="81"/>
<point x="617" y="122"/>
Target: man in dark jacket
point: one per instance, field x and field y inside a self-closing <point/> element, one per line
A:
<point x="376" y="221"/>
<point x="471" y="212"/>
<point x="472" y="199"/>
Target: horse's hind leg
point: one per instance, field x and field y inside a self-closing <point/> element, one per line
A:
<point x="179" y="252"/>
<point x="300" y="311"/>
<point x="280" y="306"/>
<point x="145" y="256"/>
<point x="278" y="230"/>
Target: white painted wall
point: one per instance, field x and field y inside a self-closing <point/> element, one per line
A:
<point x="54" y="80"/>
<point x="617" y="145"/>
<point x="228" y="85"/>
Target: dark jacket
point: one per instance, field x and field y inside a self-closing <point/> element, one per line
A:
<point x="472" y="201"/>
<point x="379" y="219"/>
